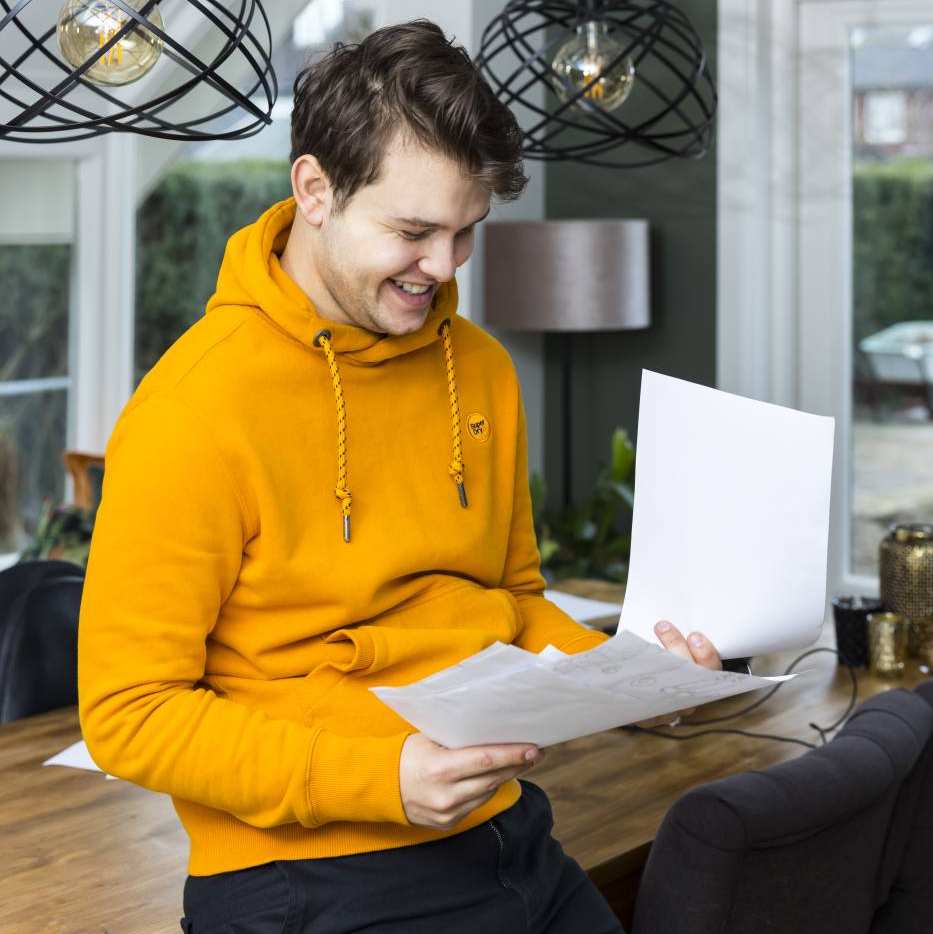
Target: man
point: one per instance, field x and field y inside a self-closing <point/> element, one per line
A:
<point x="322" y="487"/>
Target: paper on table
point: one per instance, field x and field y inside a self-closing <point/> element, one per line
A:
<point x="731" y="520"/>
<point x="76" y="756"/>
<point x="582" y="609"/>
<point x="507" y="695"/>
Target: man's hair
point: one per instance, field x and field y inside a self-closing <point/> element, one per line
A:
<point x="350" y="104"/>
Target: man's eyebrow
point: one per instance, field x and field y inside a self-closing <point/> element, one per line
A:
<point x="420" y="222"/>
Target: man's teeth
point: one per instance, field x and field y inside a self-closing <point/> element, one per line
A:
<point x="412" y="289"/>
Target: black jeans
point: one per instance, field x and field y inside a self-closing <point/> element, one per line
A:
<point x="506" y="876"/>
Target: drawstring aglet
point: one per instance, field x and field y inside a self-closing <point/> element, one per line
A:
<point x="346" y="528"/>
<point x="461" y="489"/>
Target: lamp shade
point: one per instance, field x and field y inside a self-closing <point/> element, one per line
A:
<point x="575" y="275"/>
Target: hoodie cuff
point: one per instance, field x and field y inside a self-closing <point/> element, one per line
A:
<point x="356" y="779"/>
<point x="584" y="642"/>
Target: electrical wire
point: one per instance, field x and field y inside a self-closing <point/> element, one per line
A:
<point x="823" y="731"/>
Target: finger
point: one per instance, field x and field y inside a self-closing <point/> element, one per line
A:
<point x="478" y="760"/>
<point x="704" y="652"/>
<point x="480" y="785"/>
<point x="451" y="820"/>
<point x="454" y="803"/>
<point x="672" y="639"/>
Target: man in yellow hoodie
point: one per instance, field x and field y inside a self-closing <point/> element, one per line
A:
<point x="321" y="487"/>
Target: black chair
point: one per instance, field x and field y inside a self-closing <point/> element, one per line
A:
<point x="906" y="871"/>
<point x="39" y="643"/>
<point x="799" y="847"/>
<point x="18" y="578"/>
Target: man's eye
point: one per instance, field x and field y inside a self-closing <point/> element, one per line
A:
<point x="411" y="236"/>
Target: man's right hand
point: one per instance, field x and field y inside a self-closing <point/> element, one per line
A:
<point x="441" y="786"/>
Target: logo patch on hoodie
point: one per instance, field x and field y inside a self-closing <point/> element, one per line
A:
<point x="479" y="427"/>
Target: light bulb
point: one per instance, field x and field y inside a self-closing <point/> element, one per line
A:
<point x="588" y="54"/>
<point x="87" y="25"/>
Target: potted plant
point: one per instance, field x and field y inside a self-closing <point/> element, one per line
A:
<point x="586" y="541"/>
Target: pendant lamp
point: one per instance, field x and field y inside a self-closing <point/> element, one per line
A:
<point x="105" y="66"/>
<point x="627" y="82"/>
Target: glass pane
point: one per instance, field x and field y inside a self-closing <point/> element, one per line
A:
<point x="892" y="380"/>
<point x="34" y="280"/>
<point x="32" y="439"/>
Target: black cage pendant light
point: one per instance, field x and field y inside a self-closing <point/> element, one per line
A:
<point x="628" y="83"/>
<point x="102" y="66"/>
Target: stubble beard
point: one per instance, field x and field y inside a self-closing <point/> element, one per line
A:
<point x="351" y="301"/>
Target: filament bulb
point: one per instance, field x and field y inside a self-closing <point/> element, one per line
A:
<point x="586" y="56"/>
<point x="86" y="26"/>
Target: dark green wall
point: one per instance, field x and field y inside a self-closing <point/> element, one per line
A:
<point x="679" y="200"/>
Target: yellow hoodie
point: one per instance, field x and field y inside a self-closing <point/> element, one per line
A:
<point x="229" y="632"/>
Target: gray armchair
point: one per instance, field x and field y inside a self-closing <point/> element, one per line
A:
<point x="817" y="845"/>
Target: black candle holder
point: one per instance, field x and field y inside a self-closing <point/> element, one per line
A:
<point x="850" y="614"/>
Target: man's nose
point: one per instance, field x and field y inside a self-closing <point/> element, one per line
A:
<point x="440" y="262"/>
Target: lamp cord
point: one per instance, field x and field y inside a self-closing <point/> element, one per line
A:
<point x="822" y="731"/>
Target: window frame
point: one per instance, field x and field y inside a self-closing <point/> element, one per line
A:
<point x="101" y="314"/>
<point x="779" y="221"/>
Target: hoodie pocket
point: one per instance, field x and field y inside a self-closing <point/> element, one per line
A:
<point x="400" y="649"/>
<point x="353" y="651"/>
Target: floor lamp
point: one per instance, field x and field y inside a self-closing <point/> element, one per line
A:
<point x="567" y="276"/>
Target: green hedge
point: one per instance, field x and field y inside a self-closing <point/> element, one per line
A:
<point x="892" y="244"/>
<point x="182" y="229"/>
<point x="34" y="343"/>
<point x="35" y="279"/>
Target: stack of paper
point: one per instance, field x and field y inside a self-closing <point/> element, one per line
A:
<point x="506" y="695"/>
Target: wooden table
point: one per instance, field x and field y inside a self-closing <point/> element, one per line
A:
<point x="82" y="854"/>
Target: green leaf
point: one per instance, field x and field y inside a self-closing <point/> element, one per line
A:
<point x="625" y="493"/>
<point x="619" y="547"/>
<point x="538" y="495"/>
<point x="623" y="457"/>
<point x="548" y="549"/>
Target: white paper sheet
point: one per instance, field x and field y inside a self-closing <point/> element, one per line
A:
<point x="582" y="609"/>
<point x="507" y="695"/>
<point x="76" y="756"/>
<point x="731" y="521"/>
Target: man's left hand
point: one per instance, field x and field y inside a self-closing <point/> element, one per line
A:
<point x="695" y="648"/>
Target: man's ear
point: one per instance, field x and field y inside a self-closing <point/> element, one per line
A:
<point x="312" y="190"/>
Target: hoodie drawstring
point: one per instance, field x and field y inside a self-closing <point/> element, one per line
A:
<point x="342" y="491"/>
<point x="456" y="463"/>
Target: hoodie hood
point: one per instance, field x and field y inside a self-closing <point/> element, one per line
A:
<point x="252" y="275"/>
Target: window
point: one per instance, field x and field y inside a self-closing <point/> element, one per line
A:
<point x="36" y="238"/>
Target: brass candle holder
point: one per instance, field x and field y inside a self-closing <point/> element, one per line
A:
<point x="921" y="630"/>
<point x="887" y="644"/>
<point x="906" y="565"/>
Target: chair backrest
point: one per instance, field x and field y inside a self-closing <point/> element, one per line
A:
<point x="39" y="648"/>
<point x="18" y="578"/>
<point x="796" y="847"/>
<point x="907" y="878"/>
